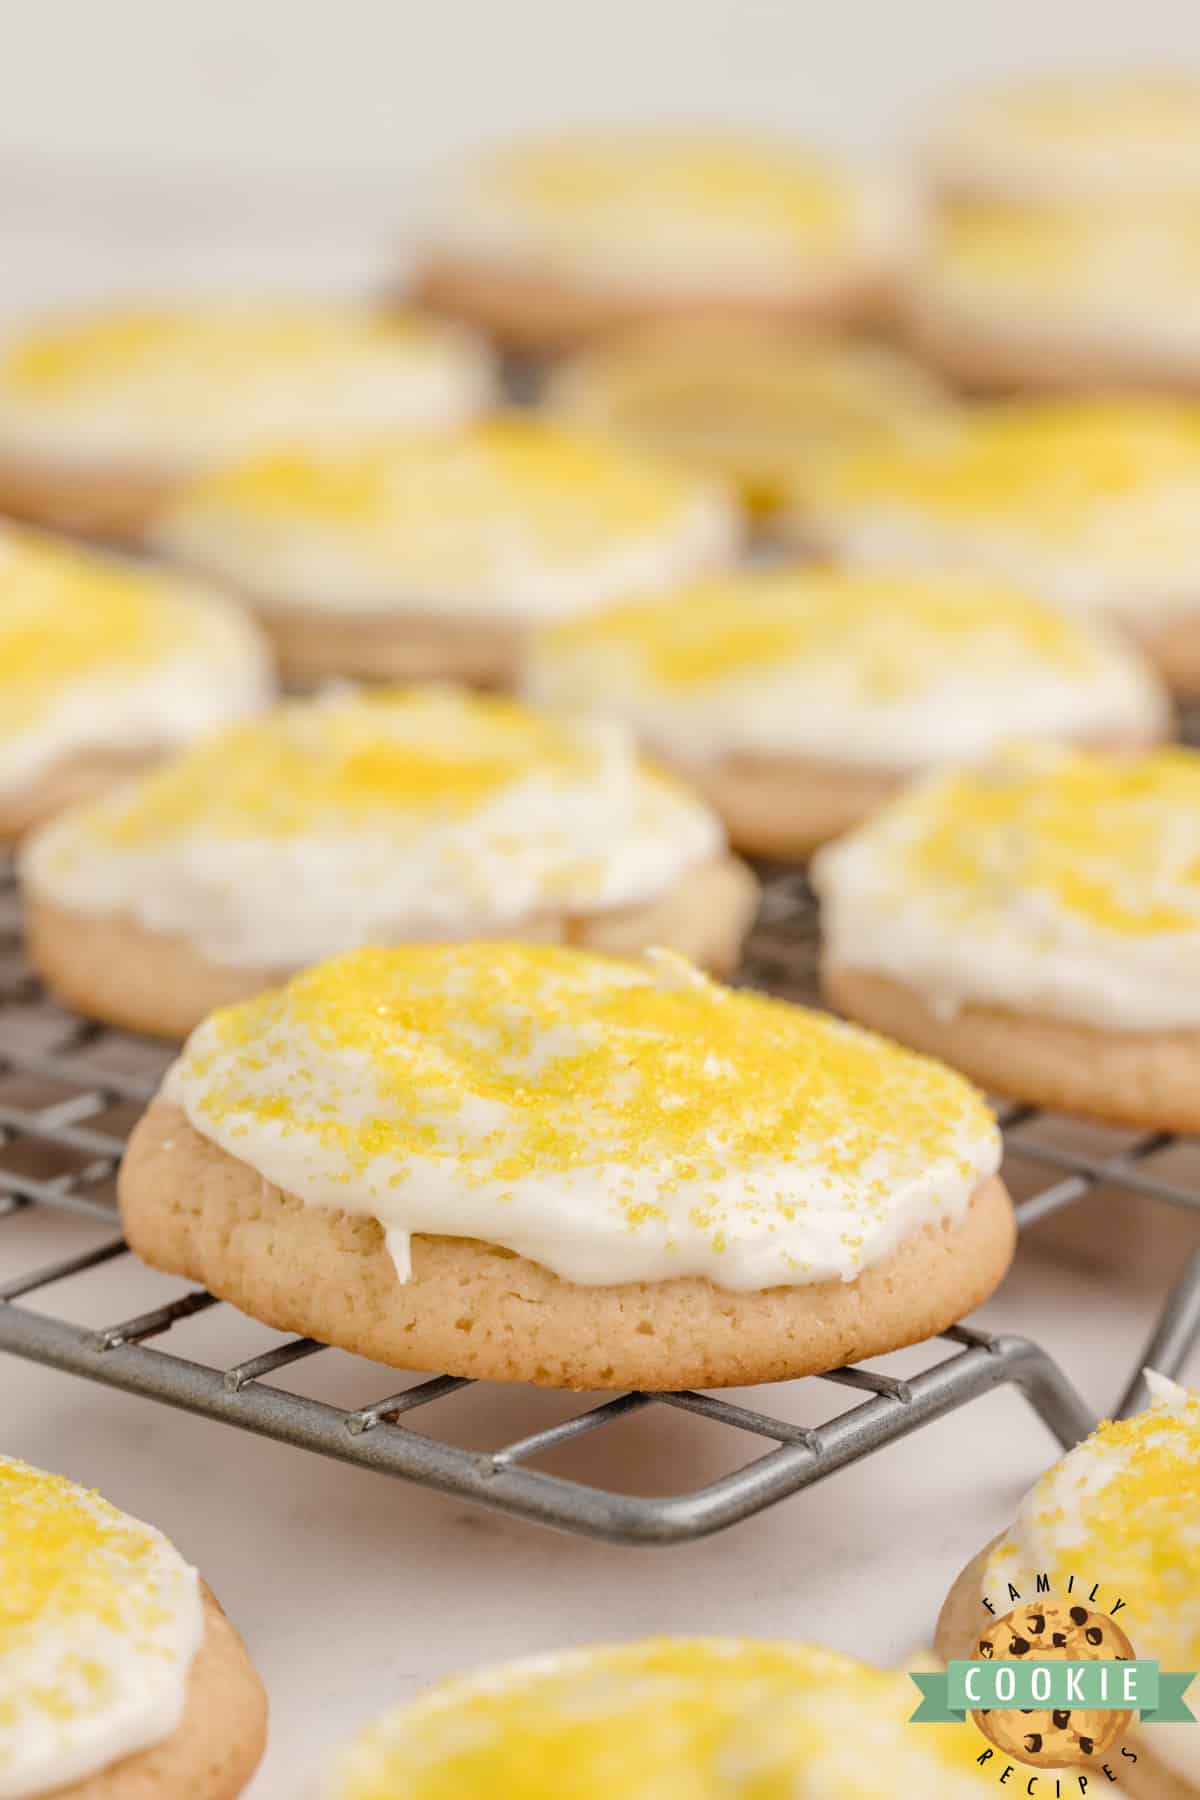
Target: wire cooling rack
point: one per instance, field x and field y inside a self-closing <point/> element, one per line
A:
<point x="70" y="1090"/>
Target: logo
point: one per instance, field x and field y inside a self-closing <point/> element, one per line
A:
<point x="1054" y="1685"/>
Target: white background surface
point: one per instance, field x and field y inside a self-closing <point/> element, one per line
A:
<point x="149" y="144"/>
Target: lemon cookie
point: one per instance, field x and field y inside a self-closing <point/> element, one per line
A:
<point x="1094" y="503"/>
<point x="1094" y="136"/>
<point x="745" y="402"/>
<point x="120" y="1676"/>
<point x="531" y="1163"/>
<point x="797" y="698"/>
<point x="1116" y="1521"/>
<point x="1063" y="296"/>
<point x="706" y="1717"/>
<point x="102" y="413"/>
<point x="410" y="558"/>
<point x="547" y="243"/>
<point x="1036" y="921"/>
<point x="372" y="818"/>
<point x="104" y="665"/>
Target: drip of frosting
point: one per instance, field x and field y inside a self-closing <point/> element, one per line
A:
<point x="1095" y="503"/>
<point x="863" y="666"/>
<point x="100" y="1619"/>
<point x="705" y="1716"/>
<point x="515" y="519"/>
<point x="177" y="387"/>
<point x="360" y="818"/>
<point x="1048" y="881"/>
<point x="1123" y="1509"/>
<point x="628" y="212"/>
<point x="97" y="653"/>
<point x="613" y="1121"/>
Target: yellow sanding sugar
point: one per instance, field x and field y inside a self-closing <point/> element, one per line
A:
<point x="664" y="1719"/>
<point x="1106" y="111"/>
<point x="565" y="1059"/>
<point x="891" y="632"/>
<point x="383" y="755"/>
<point x="1073" y="253"/>
<point x="67" y="615"/>
<point x="120" y="348"/>
<point x="1052" y="467"/>
<point x="591" y="183"/>
<point x="1113" y="839"/>
<point x="481" y="491"/>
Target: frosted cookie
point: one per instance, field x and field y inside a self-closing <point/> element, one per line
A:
<point x="1036" y="921"/>
<point x="709" y="1718"/>
<point x="1093" y="503"/>
<point x="744" y="402"/>
<point x="358" y="819"/>
<point x="120" y="1676"/>
<point x="104" y="665"/>
<point x="1117" y="1520"/>
<point x="530" y="1163"/>
<point x="797" y="698"/>
<point x="103" y="413"/>
<point x="550" y="242"/>
<point x="1089" y="136"/>
<point x="411" y="557"/>
<point x="1070" y="297"/>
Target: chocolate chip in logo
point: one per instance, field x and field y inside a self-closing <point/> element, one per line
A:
<point x="1060" y="1720"/>
<point x="1094" y="1635"/>
<point x="1086" y="1745"/>
<point x="1036" y="1625"/>
<point x="1079" y="1615"/>
<point x="1059" y="1640"/>
<point x="1020" y="1647"/>
<point x="1033" y="1743"/>
<point x="986" y="1650"/>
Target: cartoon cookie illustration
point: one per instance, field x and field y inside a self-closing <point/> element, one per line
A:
<point x="1056" y="1632"/>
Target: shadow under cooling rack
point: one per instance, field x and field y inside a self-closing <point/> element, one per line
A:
<point x="70" y="1091"/>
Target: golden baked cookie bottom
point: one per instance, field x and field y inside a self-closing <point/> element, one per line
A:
<point x="1148" y="1079"/>
<point x="475" y="1310"/>
<point x="113" y="503"/>
<point x="217" y="1745"/>
<point x="119" y="971"/>
<point x="530" y="311"/>
<point x="311" y="646"/>
<point x="69" y="782"/>
<point x="958" y="1628"/>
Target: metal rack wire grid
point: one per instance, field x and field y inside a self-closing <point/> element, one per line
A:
<point x="69" y="1091"/>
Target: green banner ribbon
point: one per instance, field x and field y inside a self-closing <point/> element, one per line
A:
<point x="1005" y="1686"/>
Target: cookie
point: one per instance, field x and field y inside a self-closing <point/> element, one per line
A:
<point x="414" y="557"/>
<point x="173" y="1705"/>
<point x="104" y="412"/>
<point x="104" y="666"/>
<point x="547" y="244"/>
<point x="744" y="402"/>
<point x="371" y="818"/>
<point x="1094" y="504"/>
<point x="1029" y="919"/>
<point x="1112" y="1526"/>
<point x="667" y="1183"/>
<point x="1059" y="298"/>
<point x="695" y="1715"/>
<point x="798" y="698"/>
<point x="1096" y="136"/>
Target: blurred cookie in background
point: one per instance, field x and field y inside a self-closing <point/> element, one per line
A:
<point x="415" y="557"/>
<point x="798" y="698"/>
<point x="103" y="413"/>
<point x="104" y="666"/>
<point x="547" y="243"/>
<point x="744" y="401"/>
<point x="1094" y="503"/>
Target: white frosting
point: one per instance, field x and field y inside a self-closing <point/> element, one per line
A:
<point x="585" y="830"/>
<point x="1001" y="938"/>
<point x="101" y="1620"/>
<point x="178" y="390"/>
<point x="871" y="681"/>
<point x="449" y="533"/>
<point x="1052" y="1530"/>
<point x="212" y="668"/>
<point x="657" y="214"/>
<point x="721" y="1135"/>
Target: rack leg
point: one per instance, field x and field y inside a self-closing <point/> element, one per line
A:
<point x="1177" y="1331"/>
